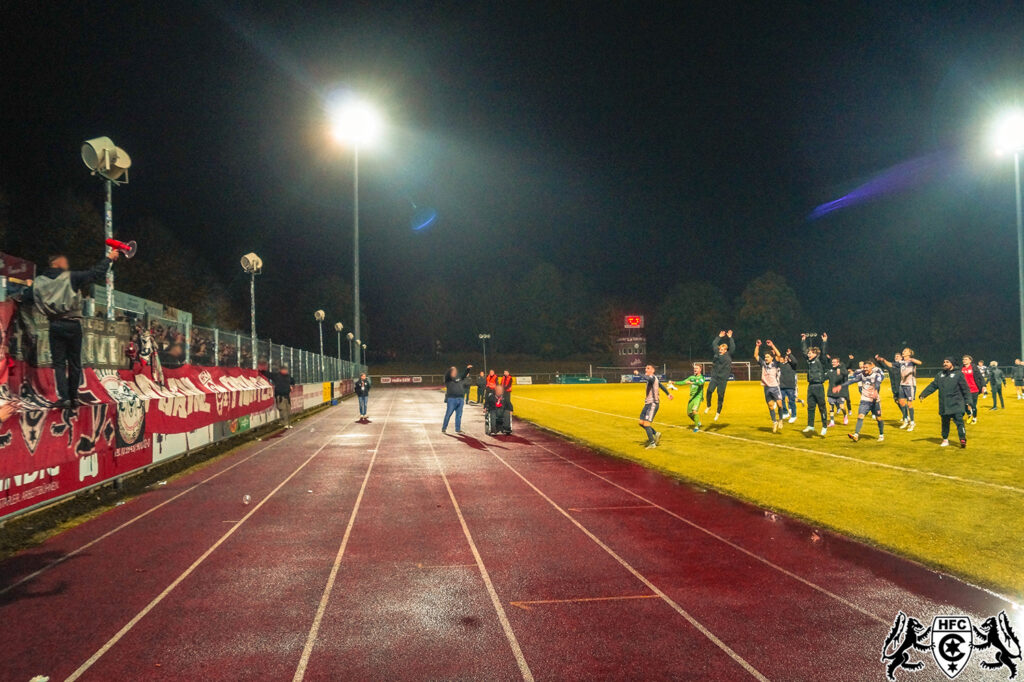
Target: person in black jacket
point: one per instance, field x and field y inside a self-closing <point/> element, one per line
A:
<point x="787" y="383"/>
<point x="954" y="396"/>
<point x="722" y="347"/>
<point x="283" y="382"/>
<point x="817" y="375"/>
<point x="362" y="389"/>
<point x="454" y="397"/>
<point x="996" y="379"/>
<point x="481" y="388"/>
<point x="836" y="401"/>
<point x="1018" y="378"/>
<point x="55" y="293"/>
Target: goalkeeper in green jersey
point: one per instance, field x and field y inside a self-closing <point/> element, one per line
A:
<point x="696" y="382"/>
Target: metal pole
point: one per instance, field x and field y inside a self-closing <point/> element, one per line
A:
<point x="108" y="233"/>
<point x="322" y="374"/>
<point x="484" y="341"/>
<point x="1020" y="248"/>
<point x="252" y="314"/>
<point x="355" y="244"/>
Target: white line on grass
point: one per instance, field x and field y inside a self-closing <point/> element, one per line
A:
<point x="314" y="630"/>
<point x="867" y="462"/>
<point x="517" y="651"/>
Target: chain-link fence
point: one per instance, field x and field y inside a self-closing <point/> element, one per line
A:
<point x="177" y="343"/>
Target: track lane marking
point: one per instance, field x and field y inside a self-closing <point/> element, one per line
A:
<point x="55" y="562"/>
<point x="726" y="541"/>
<point x="517" y="651"/>
<point x="697" y="625"/>
<point x="82" y="669"/>
<point x="866" y="462"/>
<point x="625" y="506"/>
<point x="314" y="630"/>
<point x="525" y="605"/>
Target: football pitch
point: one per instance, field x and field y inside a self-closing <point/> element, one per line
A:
<point x="959" y="511"/>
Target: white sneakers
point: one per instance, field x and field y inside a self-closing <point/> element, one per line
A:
<point x="792" y="419"/>
<point x="775" y="427"/>
<point x="823" y="431"/>
<point x="881" y="437"/>
<point x="911" y="427"/>
<point x="707" y="409"/>
<point x="944" y="444"/>
<point x="717" y="415"/>
<point x="809" y="429"/>
<point x="904" y="423"/>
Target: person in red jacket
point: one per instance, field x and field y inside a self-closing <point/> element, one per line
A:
<point x="506" y="380"/>
<point x="975" y="384"/>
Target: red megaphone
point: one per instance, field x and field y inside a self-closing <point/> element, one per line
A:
<point x="128" y="249"/>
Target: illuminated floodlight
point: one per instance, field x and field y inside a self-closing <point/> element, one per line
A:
<point x="1008" y="134"/>
<point x="356" y="122"/>
<point x="319" y="315"/>
<point x="338" y="327"/>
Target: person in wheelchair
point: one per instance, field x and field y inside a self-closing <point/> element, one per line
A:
<point x="498" y="418"/>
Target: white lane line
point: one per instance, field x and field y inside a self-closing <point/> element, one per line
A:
<point x="186" y="573"/>
<point x="517" y="651"/>
<point x="724" y="540"/>
<point x="866" y="462"/>
<point x="144" y="514"/>
<point x="314" y="630"/>
<point x="742" y="662"/>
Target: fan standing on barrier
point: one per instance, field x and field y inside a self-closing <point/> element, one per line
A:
<point x="56" y="294"/>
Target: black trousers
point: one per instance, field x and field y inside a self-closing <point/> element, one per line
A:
<point x="960" y="430"/>
<point x="717" y="385"/>
<point x="816" y="398"/>
<point x="997" y="391"/>
<point x="66" y="353"/>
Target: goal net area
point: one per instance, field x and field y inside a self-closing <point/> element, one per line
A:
<point x="741" y="371"/>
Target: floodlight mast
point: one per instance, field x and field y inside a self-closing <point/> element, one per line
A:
<point x="253" y="265"/>
<point x="1009" y="137"/>
<point x="102" y="157"/>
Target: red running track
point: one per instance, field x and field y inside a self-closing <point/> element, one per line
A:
<point x="391" y="551"/>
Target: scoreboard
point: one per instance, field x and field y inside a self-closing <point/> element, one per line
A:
<point x="633" y="322"/>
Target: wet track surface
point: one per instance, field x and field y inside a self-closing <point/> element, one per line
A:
<point x="389" y="550"/>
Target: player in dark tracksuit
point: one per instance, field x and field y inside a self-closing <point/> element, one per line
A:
<point x="1018" y="378"/>
<point x="787" y="382"/>
<point x="836" y="378"/>
<point x="817" y="375"/>
<point x="722" y="347"/>
<point x="954" y="396"/>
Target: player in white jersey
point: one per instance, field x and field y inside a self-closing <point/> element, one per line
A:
<point x="771" y="372"/>
<point x="870" y="379"/>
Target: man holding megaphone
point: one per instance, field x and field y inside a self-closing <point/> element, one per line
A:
<point x="56" y="294"/>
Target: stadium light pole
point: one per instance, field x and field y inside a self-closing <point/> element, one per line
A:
<point x="110" y="162"/>
<point x="339" y="327"/>
<point x="319" y="316"/>
<point x="483" y="339"/>
<point x="1009" y="137"/>
<point x="358" y="124"/>
<point x="253" y="265"/>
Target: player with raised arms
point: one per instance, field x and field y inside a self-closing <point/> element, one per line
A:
<point x="817" y="375"/>
<point x="870" y="379"/>
<point x="771" y="371"/>
<point x="722" y="348"/>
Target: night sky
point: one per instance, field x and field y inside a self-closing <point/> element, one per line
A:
<point x="639" y="145"/>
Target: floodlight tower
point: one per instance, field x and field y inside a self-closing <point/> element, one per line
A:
<point x="319" y="316"/>
<point x="253" y="265"/>
<point x="358" y="124"/>
<point x="110" y="162"/>
<point x="350" y="336"/>
<point x="1009" y="137"/>
<point x="483" y="339"/>
<point x="339" y="327"/>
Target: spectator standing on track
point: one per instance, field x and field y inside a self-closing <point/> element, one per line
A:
<point x="491" y="383"/>
<point x="817" y="375"/>
<point x="283" y="382"/>
<point x="722" y="346"/>
<point x="467" y="387"/>
<point x="506" y="380"/>
<point x="954" y="396"/>
<point x="975" y="384"/>
<point x="454" y="398"/>
<point x="481" y="388"/>
<point x="56" y="294"/>
<point x="787" y="383"/>
<point x="996" y="379"/>
<point x="1018" y="378"/>
<point x="362" y="389"/>
<point x="652" y="401"/>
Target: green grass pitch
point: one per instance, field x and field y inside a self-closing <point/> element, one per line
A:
<point x="960" y="511"/>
